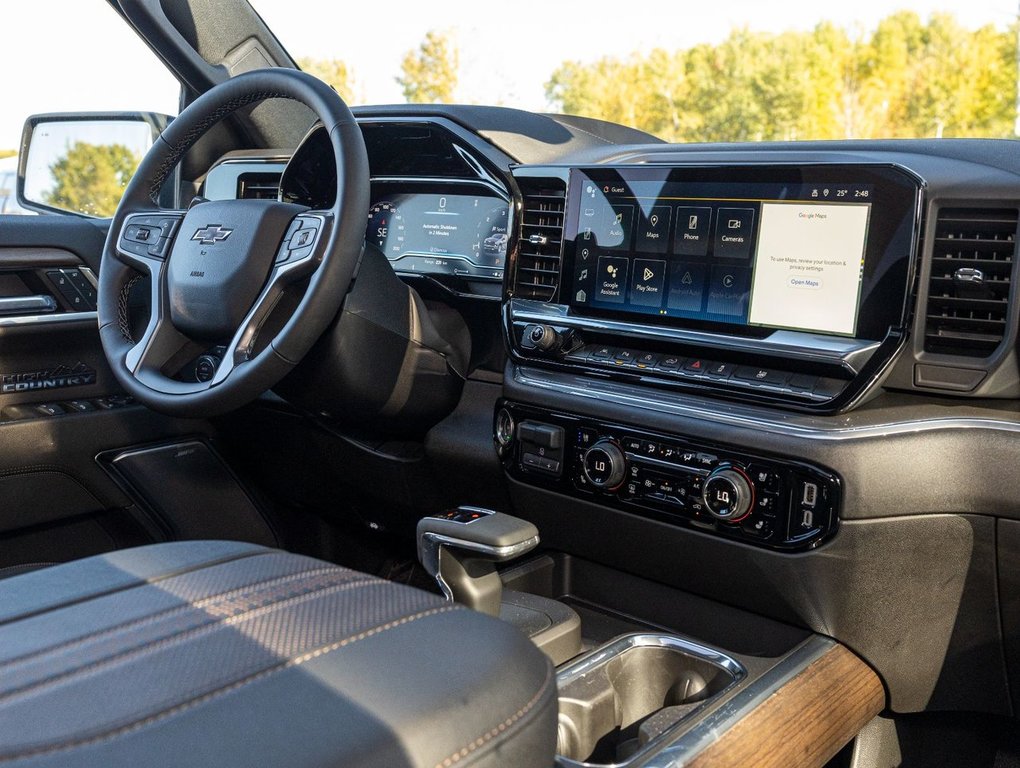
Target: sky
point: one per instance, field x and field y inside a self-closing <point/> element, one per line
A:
<point x="507" y="51"/>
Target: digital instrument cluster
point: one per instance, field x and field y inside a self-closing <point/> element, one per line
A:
<point x="463" y="233"/>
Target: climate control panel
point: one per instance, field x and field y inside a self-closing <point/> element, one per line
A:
<point x="767" y="501"/>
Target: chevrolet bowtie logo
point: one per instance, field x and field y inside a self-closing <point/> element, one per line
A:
<point x="212" y="234"/>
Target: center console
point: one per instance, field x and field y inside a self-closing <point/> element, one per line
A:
<point x="633" y="688"/>
<point x="784" y="284"/>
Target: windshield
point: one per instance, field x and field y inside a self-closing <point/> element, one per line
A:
<point x="741" y="70"/>
<point x="736" y="70"/>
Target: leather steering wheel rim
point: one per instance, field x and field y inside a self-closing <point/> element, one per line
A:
<point x="329" y="269"/>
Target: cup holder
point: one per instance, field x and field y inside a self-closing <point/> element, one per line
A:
<point x="617" y="701"/>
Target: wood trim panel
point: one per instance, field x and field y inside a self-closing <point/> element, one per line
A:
<point x="804" y="723"/>
<point x="37" y="258"/>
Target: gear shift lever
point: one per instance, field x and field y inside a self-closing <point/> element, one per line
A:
<point x="459" y="550"/>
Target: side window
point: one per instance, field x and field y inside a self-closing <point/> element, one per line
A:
<point x="91" y="61"/>
<point x="8" y="179"/>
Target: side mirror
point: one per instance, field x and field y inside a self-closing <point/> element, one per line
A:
<point x="80" y="162"/>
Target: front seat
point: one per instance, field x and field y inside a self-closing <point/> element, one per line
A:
<point x="229" y="654"/>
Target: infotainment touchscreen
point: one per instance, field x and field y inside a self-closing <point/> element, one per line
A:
<point x="801" y="248"/>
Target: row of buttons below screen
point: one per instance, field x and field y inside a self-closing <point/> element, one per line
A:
<point x="612" y="228"/>
<point x="700" y="368"/>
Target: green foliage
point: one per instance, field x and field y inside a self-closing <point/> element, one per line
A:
<point x="333" y="72"/>
<point x="430" y="72"/>
<point x="907" y="78"/>
<point x="90" y="178"/>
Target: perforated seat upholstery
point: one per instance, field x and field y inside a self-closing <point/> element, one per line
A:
<point x="228" y="654"/>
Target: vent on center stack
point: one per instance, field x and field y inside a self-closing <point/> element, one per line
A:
<point x="539" y="253"/>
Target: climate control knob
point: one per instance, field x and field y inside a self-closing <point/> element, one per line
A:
<point x="605" y="466"/>
<point x="728" y="494"/>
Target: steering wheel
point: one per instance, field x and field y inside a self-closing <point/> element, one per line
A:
<point x="220" y="268"/>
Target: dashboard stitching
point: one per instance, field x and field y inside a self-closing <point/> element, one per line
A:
<point x="589" y="133"/>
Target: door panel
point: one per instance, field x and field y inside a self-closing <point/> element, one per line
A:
<point x="60" y="405"/>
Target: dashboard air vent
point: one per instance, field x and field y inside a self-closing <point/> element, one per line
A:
<point x="258" y="186"/>
<point x="538" y="256"/>
<point x="971" y="274"/>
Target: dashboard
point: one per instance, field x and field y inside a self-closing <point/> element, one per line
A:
<point x="780" y="376"/>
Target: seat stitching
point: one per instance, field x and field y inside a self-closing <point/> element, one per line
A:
<point x="151" y="618"/>
<point x="26" y="565"/>
<point x="186" y="634"/>
<point x="236" y="685"/>
<point x="128" y="586"/>
<point x="488" y="736"/>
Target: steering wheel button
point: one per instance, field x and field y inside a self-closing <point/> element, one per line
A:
<point x="142" y="233"/>
<point x="292" y="230"/>
<point x="297" y="254"/>
<point x="158" y="248"/>
<point x="168" y="226"/>
<point x="302" y="238"/>
<point x="133" y="247"/>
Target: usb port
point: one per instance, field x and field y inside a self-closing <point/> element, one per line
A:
<point x="810" y="495"/>
<point x="807" y="519"/>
